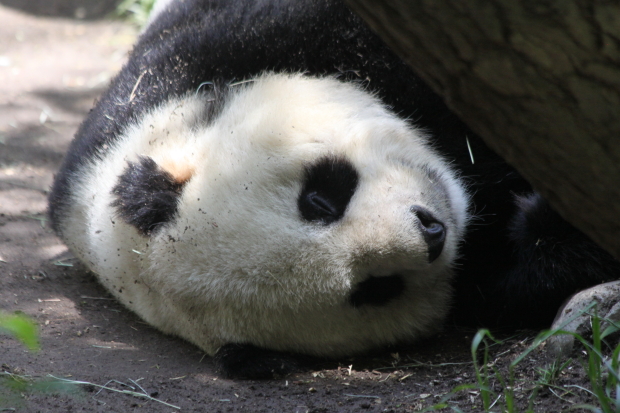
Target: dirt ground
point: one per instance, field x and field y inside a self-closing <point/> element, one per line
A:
<point x="51" y="70"/>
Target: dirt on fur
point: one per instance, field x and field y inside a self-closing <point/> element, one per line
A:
<point x="51" y="71"/>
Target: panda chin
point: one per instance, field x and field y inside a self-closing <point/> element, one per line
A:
<point x="377" y="291"/>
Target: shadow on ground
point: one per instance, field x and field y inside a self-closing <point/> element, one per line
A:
<point x="77" y="9"/>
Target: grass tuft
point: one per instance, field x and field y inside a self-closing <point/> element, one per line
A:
<point x="498" y="391"/>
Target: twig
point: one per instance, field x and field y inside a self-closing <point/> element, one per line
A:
<point x="471" y="154"/>
<point x="61" y="263"/>
<point x="133" y="91"/>
<point x="493" y="404"/>
<point x="129" y="392"/>
<point x="420" y="364"/>
<point x="561" y="397"/>
<point x="362" y="395"/>
<point x="97" y="298"/>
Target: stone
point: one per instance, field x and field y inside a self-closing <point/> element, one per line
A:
<point x="576" y="315"/>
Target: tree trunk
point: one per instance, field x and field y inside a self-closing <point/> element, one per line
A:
<point x="538" y="80"/>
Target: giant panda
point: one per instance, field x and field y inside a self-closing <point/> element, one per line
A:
<point x="267" y="179"/>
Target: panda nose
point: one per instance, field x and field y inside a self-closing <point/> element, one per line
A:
<point x="433" y="231"/>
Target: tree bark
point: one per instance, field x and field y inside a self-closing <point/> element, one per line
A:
<point x="539" y="80"/>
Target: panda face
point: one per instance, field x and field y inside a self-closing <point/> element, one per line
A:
<point x="301" y="215"/>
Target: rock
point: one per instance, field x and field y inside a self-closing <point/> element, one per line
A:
<point x="576" y="314"/>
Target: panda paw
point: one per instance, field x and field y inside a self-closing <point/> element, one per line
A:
<point x="246" y="361"/>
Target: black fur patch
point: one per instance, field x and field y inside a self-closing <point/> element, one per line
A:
<point x="377" y="290"/>
<point x="328" y="187"/>
<point x="146" y="195"/>
<point x="549" y="261"/>
<point x="246" y="361"/>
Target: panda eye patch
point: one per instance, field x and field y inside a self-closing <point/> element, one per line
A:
<point x="328" y="187"/>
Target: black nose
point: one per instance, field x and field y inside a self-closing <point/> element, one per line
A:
<point x="433" y="231"/>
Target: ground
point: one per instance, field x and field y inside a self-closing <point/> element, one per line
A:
<point x="52" y="68"/>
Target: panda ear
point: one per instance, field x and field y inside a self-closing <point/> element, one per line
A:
<point x="147" y="195"/>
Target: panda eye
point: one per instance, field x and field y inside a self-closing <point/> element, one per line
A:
<point x="328" y="187"/>
<point x="321" y="206"/>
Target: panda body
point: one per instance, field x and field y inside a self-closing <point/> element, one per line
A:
<point x="269" y="174"/>
<point x="238" y="263"/>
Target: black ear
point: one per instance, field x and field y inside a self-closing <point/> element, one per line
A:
<point x="146" y="195"/>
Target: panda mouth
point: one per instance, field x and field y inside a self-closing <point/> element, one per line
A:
<point x="377" y="291"/>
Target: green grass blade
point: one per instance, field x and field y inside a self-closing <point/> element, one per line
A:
<point x="21" y="327"/>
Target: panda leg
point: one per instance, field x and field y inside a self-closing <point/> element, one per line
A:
<point x="246" y="361"/>
<point x="550" y="261"/>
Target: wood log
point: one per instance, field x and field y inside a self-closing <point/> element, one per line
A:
<point x="538" y="80"/>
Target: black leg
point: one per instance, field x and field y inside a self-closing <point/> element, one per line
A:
<point x="520" y="266"/>
<point x="246" y="361"/>
<point x="550" y="261"/>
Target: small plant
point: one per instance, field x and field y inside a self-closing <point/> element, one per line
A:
<point x="21" y="327"/>
<point x="549" y="375"/>
<point x="602" y="371"/>
<point x="135" y="11"/>
<point x="13" y="386"/>
<point x="483" y="371"/>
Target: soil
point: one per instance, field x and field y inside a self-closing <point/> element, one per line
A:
<point x="52" y="68"/>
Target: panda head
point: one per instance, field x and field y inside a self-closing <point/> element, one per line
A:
<point x="290" y="212"/>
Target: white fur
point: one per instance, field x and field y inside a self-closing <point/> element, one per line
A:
<point x="239" y="264"/>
